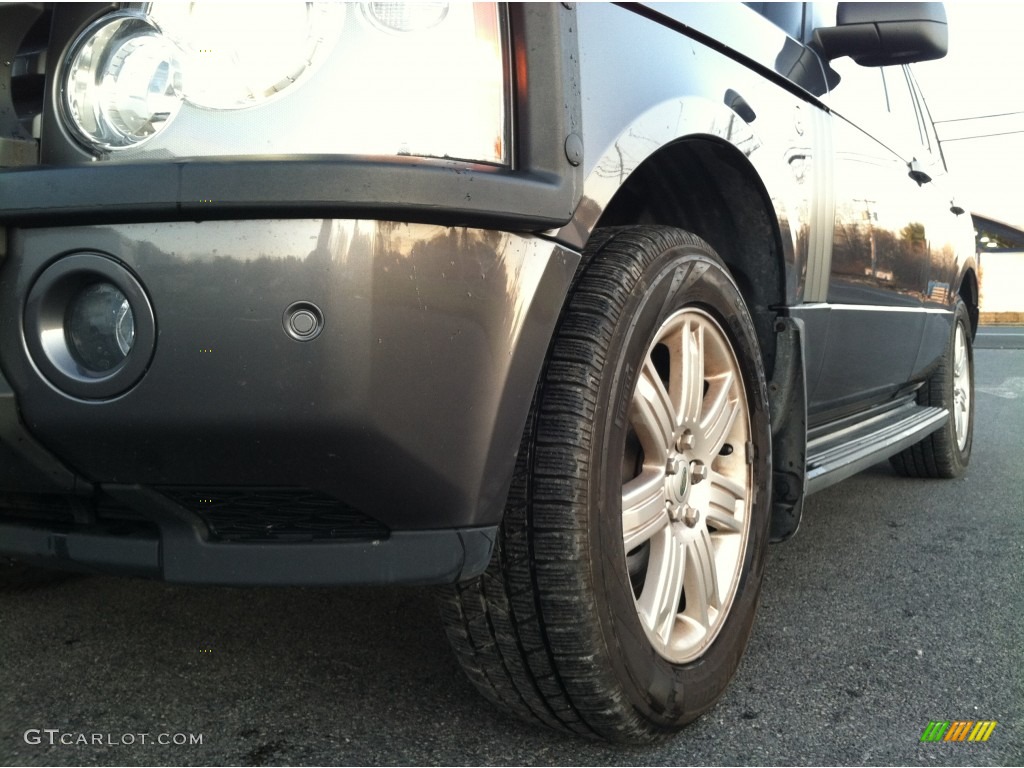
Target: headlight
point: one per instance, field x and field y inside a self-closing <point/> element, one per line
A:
<point x="219" y="80"/>
<point x="239" y="56"/>
<point x="406" y="17"/>
<point x="122" y="82"/>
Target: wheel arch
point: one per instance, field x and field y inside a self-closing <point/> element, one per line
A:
<point x="969" y="292"/>
<point x="707" y="186"/>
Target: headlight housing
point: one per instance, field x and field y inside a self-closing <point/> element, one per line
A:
<point x="174" y="80"/>
<point x="122" y="82"/>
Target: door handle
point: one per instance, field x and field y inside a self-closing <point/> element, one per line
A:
<point x="917" y="172"/>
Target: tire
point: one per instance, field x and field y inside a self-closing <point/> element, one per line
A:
<point x="15" y="574"/>
<point x="947" y="451"/>
<point x="626" y="626"/>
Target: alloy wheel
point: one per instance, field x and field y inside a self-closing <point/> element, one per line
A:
<point x="687" y="485"/>
<point x="961" y="388"/>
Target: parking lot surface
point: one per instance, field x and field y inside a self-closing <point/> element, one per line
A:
<point x="1000" y="337"/>
<point x="898" y="603"/>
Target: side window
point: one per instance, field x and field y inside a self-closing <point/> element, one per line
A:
<point x="905" y="129"/>
<point x="789" y="17"/>
<point x="931" y="137"/>
<point x="879" y="101"/>
<point x="858" y="94"/>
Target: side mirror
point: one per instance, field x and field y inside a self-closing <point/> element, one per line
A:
<point x="884" y="34"/>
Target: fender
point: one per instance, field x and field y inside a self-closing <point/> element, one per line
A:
<point x="690" y="91"/>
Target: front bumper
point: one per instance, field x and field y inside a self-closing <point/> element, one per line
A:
<point x="181" y="551"/>
<point x="380" y="450"/>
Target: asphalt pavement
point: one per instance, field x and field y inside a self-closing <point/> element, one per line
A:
<point x="898" y="603"/>
<point x="1000" y="337"/>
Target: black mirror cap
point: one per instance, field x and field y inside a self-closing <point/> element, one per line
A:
<point x="885" y="34"/>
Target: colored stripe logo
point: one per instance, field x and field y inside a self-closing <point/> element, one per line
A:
<point x="958" y="730"/>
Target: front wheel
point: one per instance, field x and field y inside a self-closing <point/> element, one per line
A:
<point x="629" y="564"/>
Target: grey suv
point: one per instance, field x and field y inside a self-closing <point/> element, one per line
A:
<point x="566" y="308"/>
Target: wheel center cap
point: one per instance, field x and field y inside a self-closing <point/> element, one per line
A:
<point x="682" y="477"/>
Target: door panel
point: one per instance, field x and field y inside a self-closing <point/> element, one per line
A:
<point x="881" y="251"/>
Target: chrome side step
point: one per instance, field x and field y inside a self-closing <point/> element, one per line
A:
<point x="849" y="447"/>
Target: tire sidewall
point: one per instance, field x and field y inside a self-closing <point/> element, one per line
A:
<point x="663" y="692"/>
<point x="959" y="457"/>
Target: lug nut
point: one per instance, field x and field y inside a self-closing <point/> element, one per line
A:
<point x="673" y="512"/>
<point x="685" y="441"/>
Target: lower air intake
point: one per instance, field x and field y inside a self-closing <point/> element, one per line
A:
<point x="275" y="514"/>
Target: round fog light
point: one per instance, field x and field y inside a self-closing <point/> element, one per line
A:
<point x="89" y="326"/>
<point x="100" y="327"/>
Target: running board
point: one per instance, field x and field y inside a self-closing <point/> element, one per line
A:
<point x="842" y="452"/>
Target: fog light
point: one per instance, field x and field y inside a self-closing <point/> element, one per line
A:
<point x="89" y="326"/>
<point x="100" y="327"/>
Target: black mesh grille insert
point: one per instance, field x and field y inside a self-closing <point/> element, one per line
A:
<point x="275" y="514"/>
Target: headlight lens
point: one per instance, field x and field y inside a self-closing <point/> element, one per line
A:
<point x="240" y="56"/>
<point x="100" y="327"/>
<point x="423" y="78"/>
<point x="123" y="82"/>
<point x="406" y="17"/>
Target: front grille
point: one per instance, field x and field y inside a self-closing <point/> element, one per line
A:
<point x="275" y="514"/>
